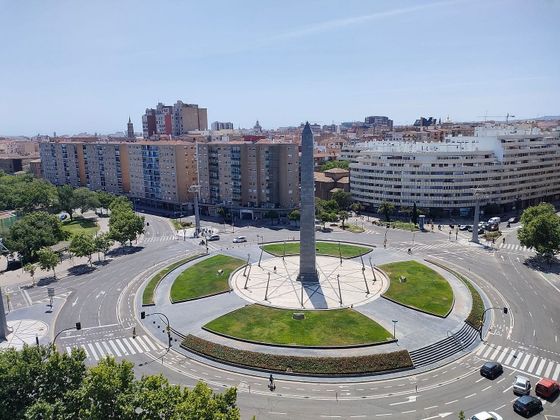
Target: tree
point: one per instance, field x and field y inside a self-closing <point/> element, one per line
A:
<point x="82" y="245"/>
<point x="541" y="232"/>
<point x="531" y="213"/>
<point x="85" y="199"/>
<point x="33" y="232"/>
<point x="102" y="243"/>
<point x="330" y="206"/>
<point x="294" y="215"/>
<point x="414" y="214"/>
<point x="271" y="214"/>
<point x="343" y="164"/>
<point x="120" y="203"/>
<point x="343" y="215"/>
<point x="48" y="259"/>
<point x="124" y="224"/>
<point x="105" y="199"/>
<point x="326" y="217"/>
<point x="356" y="207"/>
<point x="387" y="209"/>
<point x="30" y="268"/>
<point x="66" y="199"/>
<point x="343" y="199"/>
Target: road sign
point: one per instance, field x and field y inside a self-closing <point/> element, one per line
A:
<point x="50" y="291"/>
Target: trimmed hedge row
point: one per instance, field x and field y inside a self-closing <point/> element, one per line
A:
<point x="148" y="295"/>
<point x="299" y="364"/>
<point x="475" y="316"/>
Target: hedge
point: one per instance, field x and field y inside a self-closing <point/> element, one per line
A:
<point x="148" y="295"/>
<point x="477" y="309"/>
<point x="300" y="364"/>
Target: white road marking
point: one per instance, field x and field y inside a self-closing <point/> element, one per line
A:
<point x="115" y="348"/>
<point x="140" y="340"/>
<point x="517" y="360"/>
<point x="504" y="353"/>
<point x="548" y="369"/>
<point x="495" y="352"/>
<point x="533" y="364"/>
<point x="486" y="389"/>
<point x="129" y="346"/>
<point x="125" y="352"/>
<point x="540" y="368"/>
<point x="84" y="347"/>
<point x="556" y="373"/>
<point x="525" y="361"/>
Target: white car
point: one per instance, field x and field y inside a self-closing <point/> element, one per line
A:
<point x="486" y="415"/>
<point x="239" y="239"/>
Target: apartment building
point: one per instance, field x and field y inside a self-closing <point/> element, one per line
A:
<point x="176" y="120"/>
<point x="218" y="125"/>
<point x="156" y="174"/>
<point x="511" y="166"/>
<point x="250" y="178"/>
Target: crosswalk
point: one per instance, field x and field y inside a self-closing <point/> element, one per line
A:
<point x="151" y="239"/>
<point x="514" y="247"/>
<point x="520" y="360"/>
<point x="117" y="347"/>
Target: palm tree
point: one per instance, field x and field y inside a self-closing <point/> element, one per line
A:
<point x="387" y="209"/>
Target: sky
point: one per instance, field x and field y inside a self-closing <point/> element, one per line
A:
<point x="86" y="66"/>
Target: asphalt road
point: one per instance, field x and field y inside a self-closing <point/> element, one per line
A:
<point x="525" y="340"/>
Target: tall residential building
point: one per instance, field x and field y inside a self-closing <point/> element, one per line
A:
<point x="164" y="119"/>
<point x="217" y="125"/>
<point x="153" y="173"/>
<point x="188" y="117"/>
<point x="149" y="123"/>
<point x="379" y="122"/>
<point x="251" y="178"/>
<point x="511" y="166"/>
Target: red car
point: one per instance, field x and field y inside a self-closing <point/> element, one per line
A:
<point x="547" y="388"/>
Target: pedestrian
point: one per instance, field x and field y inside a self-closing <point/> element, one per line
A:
<point x="503" y="241"/>
<point x="275" y="272"/>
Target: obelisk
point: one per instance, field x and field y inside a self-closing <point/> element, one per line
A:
<point x="307" y="264"/>
<point x="4" y="330"/>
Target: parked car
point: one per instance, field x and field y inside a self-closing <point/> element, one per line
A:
<point x="494" y="220"/>
<point x="521" y="386"/>
<point x="213" y="238"/>
<point x="513" y="220"/>
<point x="491" y="370"/>
<point x="486" y="415"/>
<point x="463" y="227"/>
<point x="469" y="228"/>
<point x="492" y="227"/>
<point x="62" y="216"/>
<point x="239" y="239"/>
<point x="527" y="405"/>
<point x="547" y="388"/>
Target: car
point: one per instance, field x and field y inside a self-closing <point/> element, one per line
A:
<point x="213" y="238"/>
<point x="547" y="388"/>
<point x="491" y="370"/>
<point x="527" y="405"/>
<point x="62" y="216"/>
<point x="486" y="415"/>
<point x="513" y="220"/>
<point x="521" y="386"/>
<point x="239" y="239"/>
<point x="463" y="227"/>
<point x="494" y="220"/>
<point x="480" y="231"/>
<point x="469" y="228"/>
<point x="492" y="227"/>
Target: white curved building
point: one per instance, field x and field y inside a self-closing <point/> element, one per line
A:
<point x="509" y="165"/>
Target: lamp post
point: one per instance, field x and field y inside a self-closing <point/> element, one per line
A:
<point x="394" y="328"/>
<point x="143" y="315"/>
<point x="78" y="327"/>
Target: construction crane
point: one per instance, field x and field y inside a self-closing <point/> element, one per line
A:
<point x="507" y="117"/>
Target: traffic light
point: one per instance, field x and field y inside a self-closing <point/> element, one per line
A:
<point x="142" y="315"/>
<point x="78" y="326"/>
<point x="505" y="310"/>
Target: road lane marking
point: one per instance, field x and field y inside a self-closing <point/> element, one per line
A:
<point x="141" y="342"/>
<point x="118" y="341"/>
<point x="487" y="388"/>
<point x="525" y="361"/>
<point x="503" y="354"/>
<point x="532" y="364"/>
<point x="150" y="343"/>
<point x="487" y="352"/>
<point x="548" y="369"/>
<point x="556" y="373"/>
<point x="133" y="341"/>
<point x="115" y="348"/>
<point x="540" y="368"/>
<point x="517" y="359"/>
<point x="495" y="352"/>
<point x="129" y="346"/>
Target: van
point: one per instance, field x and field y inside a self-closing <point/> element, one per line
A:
<point x="494" y="220"/>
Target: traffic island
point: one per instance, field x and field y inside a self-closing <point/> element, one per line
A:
<point x="331" y="249"/>
<point x="315" y="329"/>
<point x="206" y="278"/>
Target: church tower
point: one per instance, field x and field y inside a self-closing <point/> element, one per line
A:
<point x="130" y="129"/>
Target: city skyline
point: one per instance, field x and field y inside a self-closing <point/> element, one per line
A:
<point x="76" y="68"/>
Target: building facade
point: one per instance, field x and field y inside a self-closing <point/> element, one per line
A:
<point x="511" y="167"/>
<point x="155" y="174"/>
<point x="218" y="125"/>
<point x="251" y="178"/>
<point x="176" y="120"/>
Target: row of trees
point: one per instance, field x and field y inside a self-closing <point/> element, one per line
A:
<point x="39" y="383"/>
<point x="26" y="194"/>
<point x="540" y="230"/>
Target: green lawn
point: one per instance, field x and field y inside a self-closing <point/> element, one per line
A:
<point x="148" y="295"/>
<point x="423" y="289"/>
<point x="80" y="225"/>
<point x="323" y="248"/>
<point x="319" y="328"/>
<point x="354" y="228"/>
<point x="202" y="279"/>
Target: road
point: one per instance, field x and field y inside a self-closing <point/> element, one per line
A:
<point x="525" y="340"/>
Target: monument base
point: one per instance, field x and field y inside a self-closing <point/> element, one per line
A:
<point x="308" y="277"/>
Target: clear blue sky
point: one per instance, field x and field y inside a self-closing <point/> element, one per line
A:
<point x="74" y="66"/>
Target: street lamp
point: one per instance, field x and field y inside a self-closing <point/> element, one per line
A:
<point x="394" y="328"/>
<point x="78" y="327"/>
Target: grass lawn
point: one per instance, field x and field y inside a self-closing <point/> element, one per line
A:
<point x="80" y="225"/>
<point x="323" y="248"/>
<point x="148" y="295"/>
<point x="319" y="328"/>
<point x="202" y="279"/>
<point x="423" y="289"/>
<point x="354" y="228"/>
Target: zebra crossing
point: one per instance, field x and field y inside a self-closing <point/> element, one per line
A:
<point x="152" y="239"/>
<point x="117" y="347"/>
<point x="522" y="361"/>
<point x="514" y="247"/>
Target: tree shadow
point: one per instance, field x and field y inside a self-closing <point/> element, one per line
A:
<point x="101" y="263"/>
<point x="81" y="269"/>
<point x="46" y="281"/>
<point x="124" y="250"/>
<point x="546" y="265"/>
